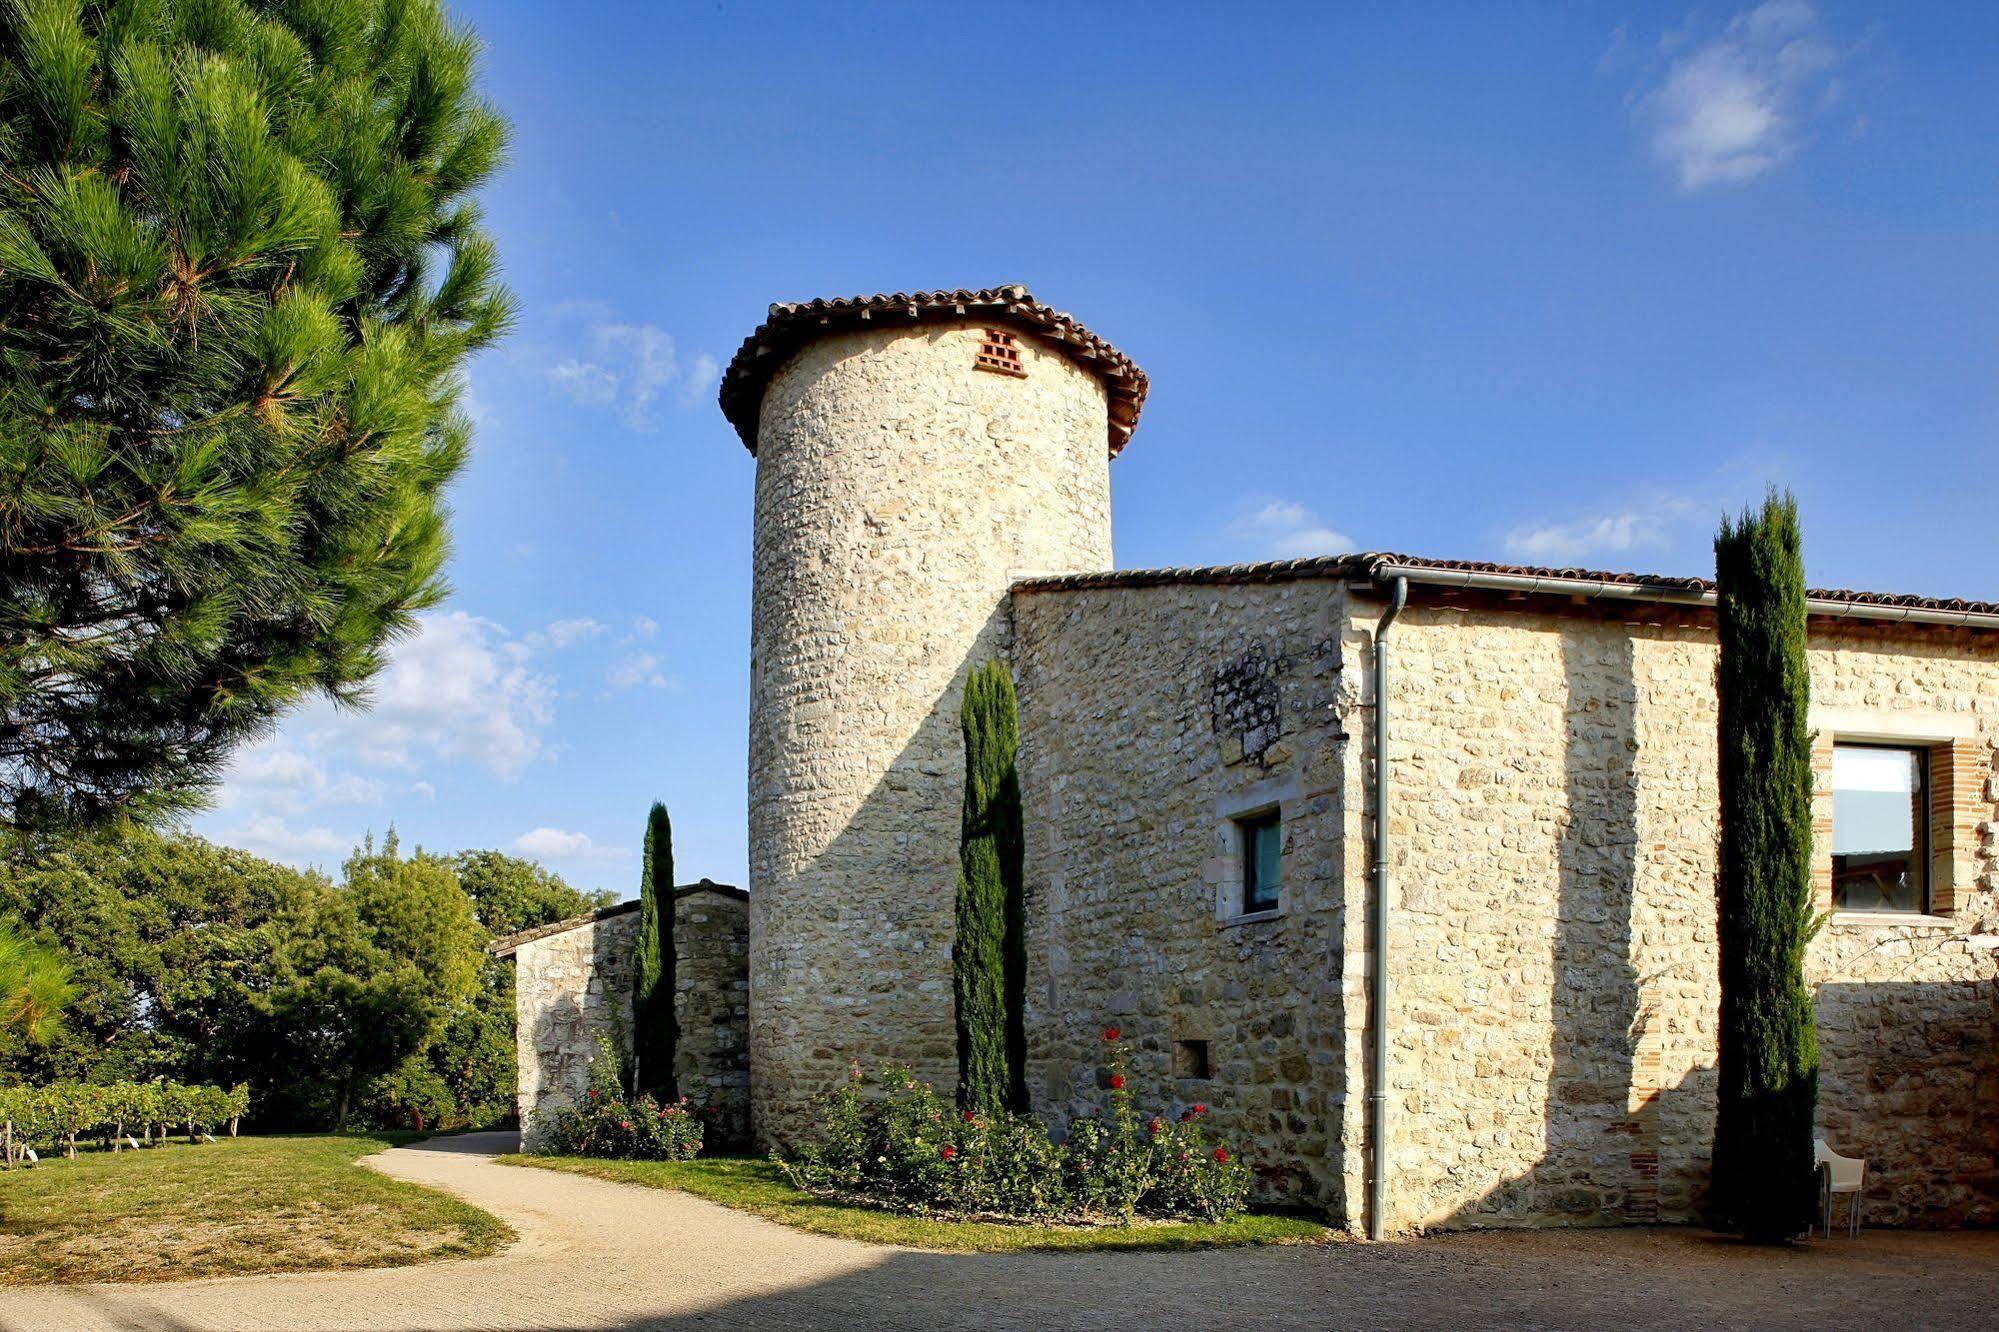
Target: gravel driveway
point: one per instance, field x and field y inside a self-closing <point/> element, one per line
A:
<point x="594" y="1254"/>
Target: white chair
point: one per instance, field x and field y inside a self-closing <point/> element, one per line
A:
<point x="1839" y="1174"/>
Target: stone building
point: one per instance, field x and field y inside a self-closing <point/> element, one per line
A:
<point x="573" y="983"/>
<point x="1199" y="773"/>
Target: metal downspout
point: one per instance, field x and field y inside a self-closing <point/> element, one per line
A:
<point x="1377" y="1095"/>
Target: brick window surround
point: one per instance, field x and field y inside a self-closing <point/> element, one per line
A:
<point x="1959" y="770"/>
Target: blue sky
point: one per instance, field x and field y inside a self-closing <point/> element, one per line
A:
<point x="1551" y="284"/>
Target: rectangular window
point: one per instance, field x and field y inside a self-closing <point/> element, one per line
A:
<point x="1262" y="853"/>
<point x="1880" y="828"/>
<point x="1190" y="1060"/>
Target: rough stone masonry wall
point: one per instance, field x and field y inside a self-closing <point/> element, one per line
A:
<point x="572" y="985"/>
<point x="899" y="492"/>
<point x="1553" y="1009"/>
<point x="1151" y="718"/>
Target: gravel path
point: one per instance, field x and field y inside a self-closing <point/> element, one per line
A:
<point x="594" y="1254"/>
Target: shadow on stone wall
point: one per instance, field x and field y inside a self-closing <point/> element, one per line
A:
<point x="1606" y="1100"/>
<point x="1909" y="1079"/>
<point x="562" y="1072"/>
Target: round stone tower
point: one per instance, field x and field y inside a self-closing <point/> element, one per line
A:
<point x="916" y="454"/>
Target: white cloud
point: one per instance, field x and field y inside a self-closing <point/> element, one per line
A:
<point x="459" y="689"/>
<point x="1284" y="530"/>
<point x="424" y="789"/>
<point x="1592" y="535"/>
<point x="628" y="366"/>
<point x="555" y="844"/>
<point x="269" y="835"/>
<point x="644" y="626"/>
<point x="1726" y="110"/>
<point x="583" y="382"/>
<point x="564" y="633"/>
<point x="273" y="777"/>
<point x="634" y="669"/>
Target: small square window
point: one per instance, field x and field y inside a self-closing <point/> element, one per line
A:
<point x="1190" y="1060"/>
<point x="1262" y="858"/>
<point x="1880" y="828"/>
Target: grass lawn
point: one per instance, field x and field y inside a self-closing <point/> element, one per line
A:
<point x="240" y="1206"/>
<point x="758" y="1187"/>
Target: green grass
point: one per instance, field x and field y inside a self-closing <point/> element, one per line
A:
<point x="239" y="1206"/>
<point x="758" y="1187"/>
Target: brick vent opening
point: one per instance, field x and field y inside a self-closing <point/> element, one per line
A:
<point x="1000" y="354"/>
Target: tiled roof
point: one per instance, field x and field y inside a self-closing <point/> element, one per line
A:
<point x="791" y="325"/>
<point x="1378" y="564"/>
<point x="506" y="944"/>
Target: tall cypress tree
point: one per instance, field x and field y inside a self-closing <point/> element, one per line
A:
<point x="989" y="955"/>
<point x="1763" y="1169"/>
<point x="241" y="272"/>
<point x="655" y="1028"/>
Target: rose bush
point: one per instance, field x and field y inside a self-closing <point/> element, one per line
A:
<point x="608" y="1122"/>
<point x="900" y="1145"/>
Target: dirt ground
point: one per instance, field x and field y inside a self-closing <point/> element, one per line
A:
<point x="594" y="1254"/>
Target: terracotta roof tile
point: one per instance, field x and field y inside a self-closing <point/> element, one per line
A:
<point x="792" y="325"/>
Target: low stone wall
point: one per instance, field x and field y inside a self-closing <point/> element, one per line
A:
<point x="574" y="981"/>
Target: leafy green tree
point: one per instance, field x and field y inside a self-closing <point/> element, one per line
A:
<point x="510" y="894"/>
<point x="34" y="988"/>
<point x="1763" y="1168"/>
<point x="167" y="938"/>
<point x="988" y="955"/>
<point x="240" y="278"/>
<point x="655" y="1026"/>
<point x="390" y="958"/>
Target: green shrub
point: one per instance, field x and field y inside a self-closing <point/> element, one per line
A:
<point x="609" y="1123"/>
<point x="902" y="1146"/>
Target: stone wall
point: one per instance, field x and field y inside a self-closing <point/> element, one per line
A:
<point x="1151" y="719"/>
<point x="574" y="982"/>
<point x="899" y="491"/>
<point x="1553" y="949"/>
<point x="1553" y="1001"/>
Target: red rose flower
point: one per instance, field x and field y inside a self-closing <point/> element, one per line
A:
<point x="625" y="1124"/>
<point x="971" y="1118"/>
<point x="1117" y="1082"/>
<point x="947" y="1151"/>
<point x="1199" y="1109"/>
<point x="1110" y="1034"/>
<point x="1221" y="1153"/>
<point x="1153" y="1126"/>
<point x="593" y="1093"/>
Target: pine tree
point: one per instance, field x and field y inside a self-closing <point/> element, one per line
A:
<point x="989" y="955"/>
<point x="1763" y="1168"/>
<point x="655" y="1027"/>
<point x="240" y="276"/>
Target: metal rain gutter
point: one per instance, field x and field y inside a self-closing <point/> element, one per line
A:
<point x="1600" y="589"/>
<point x="1377" y="1093"/>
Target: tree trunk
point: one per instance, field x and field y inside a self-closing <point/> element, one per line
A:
<point x="232" y="1126"/>
<point x="346" y="1092"/>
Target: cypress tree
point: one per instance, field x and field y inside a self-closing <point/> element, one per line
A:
<point x="241" y="272"/>
<point x="1763" y="1169"/>
<point x="989" y="954"/>
<point x="655" y="1028"/>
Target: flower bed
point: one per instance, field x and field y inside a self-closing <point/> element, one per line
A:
<point x="611" y="1123"/>
<point x="908" y="1149"/>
